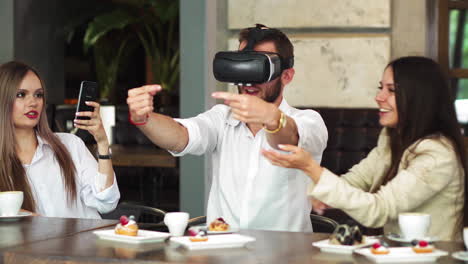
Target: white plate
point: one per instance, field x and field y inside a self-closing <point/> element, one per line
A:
<point x="402" y="254"/>
<point x="403" y="240"/>
<point x="325" y="246"/>
<point x="461" y="255"/>
<point x="214" y="241"/>
<point x="143" y="236"/>
<point x="15" y="217"/>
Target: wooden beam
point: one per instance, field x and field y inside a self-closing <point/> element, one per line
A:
<point x="460" y="4"/>
<point x="459" y="73"/>
<point x="443" y="33"/>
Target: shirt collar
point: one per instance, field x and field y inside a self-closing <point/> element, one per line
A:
<point x="284" y="106"/>
<point x="40" y="148"/>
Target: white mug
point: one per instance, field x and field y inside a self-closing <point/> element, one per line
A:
<point x="176" y="222"/>
<point x="414" y="225"/>
<point x="10" y="203"/>
<point x="465" y="236"/>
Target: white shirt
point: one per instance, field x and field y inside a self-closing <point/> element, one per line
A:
<point x="247" y="190"/>
<point x="46" y="181"/>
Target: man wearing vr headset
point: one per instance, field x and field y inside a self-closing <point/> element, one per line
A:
<point x="247" y="190"/>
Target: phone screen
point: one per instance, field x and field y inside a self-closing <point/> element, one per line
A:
<point x="88" y="92"/>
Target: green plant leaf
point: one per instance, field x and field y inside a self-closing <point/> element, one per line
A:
<point x="102" y="24"/>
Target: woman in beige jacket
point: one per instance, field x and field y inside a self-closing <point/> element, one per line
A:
<point x="417" y="163"/>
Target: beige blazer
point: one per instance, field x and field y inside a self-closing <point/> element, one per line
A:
<point x="430" y="179"/>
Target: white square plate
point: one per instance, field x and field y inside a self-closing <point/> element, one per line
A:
<point x="214" y="241"/>
<point x="143" y="236"/>
<point x="325" y="246"/>
<point x="402" y="254"/>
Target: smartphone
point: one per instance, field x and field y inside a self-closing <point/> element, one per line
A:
<point x="88" y="92"/>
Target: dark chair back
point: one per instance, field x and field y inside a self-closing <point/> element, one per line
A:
<point x="142" y="213"/>
<point x="322" y="224"/>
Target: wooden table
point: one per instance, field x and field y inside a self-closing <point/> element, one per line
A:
<point x="141" y="156"/>
<point x="270" y="247"/>
<point x="35" y="229"/>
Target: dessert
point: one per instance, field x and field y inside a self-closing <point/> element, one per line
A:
<point x="379" y="249"/>
<point x="218" y="225"/>
<point x="346" y="235"/>
<point x="422" y="247"/>
<point x="199" y="236"/>
<point x="127" y="226"/>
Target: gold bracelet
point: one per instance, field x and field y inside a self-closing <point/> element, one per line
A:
<point x="282" y="123"/>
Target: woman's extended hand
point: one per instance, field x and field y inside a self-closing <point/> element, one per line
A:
<point x="94" y="124"/>
<point x="298" y="158"/>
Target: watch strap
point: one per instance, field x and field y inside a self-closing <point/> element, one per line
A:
<point x="281" y="123"/>
<point x="107" y="156"/>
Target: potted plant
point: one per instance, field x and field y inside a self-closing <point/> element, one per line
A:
<point x="114" y="32"/>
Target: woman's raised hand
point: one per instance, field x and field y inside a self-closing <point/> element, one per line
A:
<point x="94" y="124"/>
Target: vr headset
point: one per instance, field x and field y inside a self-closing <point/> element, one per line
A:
<point x="247" y="67"/>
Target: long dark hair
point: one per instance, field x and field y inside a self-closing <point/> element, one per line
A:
<point x="12" y="174"/>
<point x="425" y="106"/>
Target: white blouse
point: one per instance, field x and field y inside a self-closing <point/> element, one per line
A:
<point x="46" y="181"/>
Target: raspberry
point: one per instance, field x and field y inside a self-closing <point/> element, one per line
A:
<point x="221" y="219"/>
<point x="423" y="243"/>
<point x="376" y="245"/>
<point x="192" y="232"/>
<point x="123" y="220"/>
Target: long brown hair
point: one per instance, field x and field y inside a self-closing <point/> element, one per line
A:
<point x="12" y="174"/>
<point x="426" y="108"/>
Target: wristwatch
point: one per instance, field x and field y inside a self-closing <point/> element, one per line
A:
<point x="108" y="156"/>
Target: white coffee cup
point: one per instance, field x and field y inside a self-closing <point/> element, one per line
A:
<point x="465" y="237"/>
<point x="414" y="225"/>
<point x="176" y="222"/>
<point x="10" y="203"/>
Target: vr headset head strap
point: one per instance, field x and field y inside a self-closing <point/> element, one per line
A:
<point x="257" y="34"/>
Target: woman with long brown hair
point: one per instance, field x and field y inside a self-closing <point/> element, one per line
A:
<point x="418" y="165"/>
<point x="56" y="172"/>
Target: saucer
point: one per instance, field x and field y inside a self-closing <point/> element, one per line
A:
<point x="400" y="239"/>
<point x="461" y="255"/>
<point x="15" y="217"/>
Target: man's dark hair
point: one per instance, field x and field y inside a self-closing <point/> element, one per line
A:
<point x="282" y="43"/>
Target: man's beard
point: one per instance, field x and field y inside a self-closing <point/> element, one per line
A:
<point x="272" y="93"/>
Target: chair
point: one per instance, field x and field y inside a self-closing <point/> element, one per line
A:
<point x="142" y="213"/>
<point x="322" y="224"/>
<point x="199" y="220"/>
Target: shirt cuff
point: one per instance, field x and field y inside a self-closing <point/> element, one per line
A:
<point x="99" y="189"/>
<point x="325" y="185"/>
<point x="190" y="130"/>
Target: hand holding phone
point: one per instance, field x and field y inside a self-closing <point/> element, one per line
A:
<point x="88" y="92"/>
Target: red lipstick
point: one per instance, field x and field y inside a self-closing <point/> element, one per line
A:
<point x="32" y="114"/>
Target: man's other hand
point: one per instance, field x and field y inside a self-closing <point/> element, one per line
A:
<point x="250" y="109"/>
<point x="140" y="102"/>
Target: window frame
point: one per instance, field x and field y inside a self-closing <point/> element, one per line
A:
<point x="445" y="6"/>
